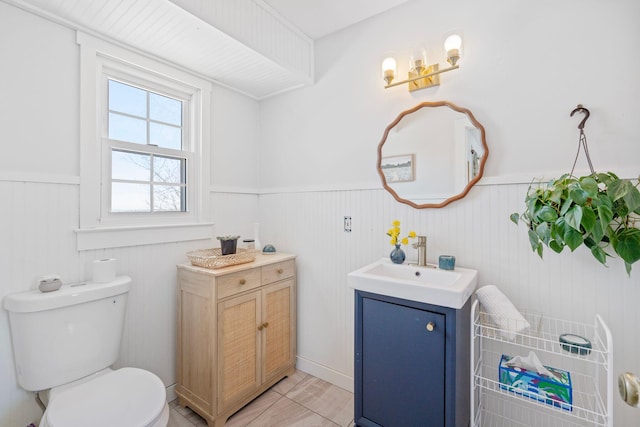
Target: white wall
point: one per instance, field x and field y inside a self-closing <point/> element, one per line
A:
<point x="316" y="164"/>
<point x="526" y="66"/>
<point x="39" y="189"/>
<point x="39" y="108"/>
<point x="235" y="163"/>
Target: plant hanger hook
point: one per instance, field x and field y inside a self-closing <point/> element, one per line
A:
<point x="582" y="140"/>
<point x="584" y="111"/>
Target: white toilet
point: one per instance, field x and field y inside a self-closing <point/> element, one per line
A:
<point x="66" y="341"/>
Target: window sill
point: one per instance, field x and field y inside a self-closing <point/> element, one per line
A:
<point x="119" y="237"/>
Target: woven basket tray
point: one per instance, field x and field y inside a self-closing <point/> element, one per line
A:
<point x="213" y="258"/>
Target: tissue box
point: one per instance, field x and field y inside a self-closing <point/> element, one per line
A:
<point x="557" y="391"/>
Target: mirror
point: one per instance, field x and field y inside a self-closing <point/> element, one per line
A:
<point x="432" y="154"/>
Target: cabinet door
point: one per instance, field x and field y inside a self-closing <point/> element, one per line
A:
<point x="278" y="338"/>
<point x="402" y="365"/>
<point x="238" y="352"/>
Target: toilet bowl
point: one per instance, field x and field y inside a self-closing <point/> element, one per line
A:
<point x="127" y="397"/>
<point x="65" y="341"/>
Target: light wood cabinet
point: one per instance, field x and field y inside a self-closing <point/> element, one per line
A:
<point x="236" y="333"/>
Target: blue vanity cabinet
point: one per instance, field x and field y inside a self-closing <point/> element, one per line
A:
<point x="411" y="363"/>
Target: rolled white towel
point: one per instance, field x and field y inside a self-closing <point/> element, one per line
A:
<point x="501" y="311"/>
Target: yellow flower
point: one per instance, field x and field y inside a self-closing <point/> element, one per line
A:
<point x="394" y="233"/>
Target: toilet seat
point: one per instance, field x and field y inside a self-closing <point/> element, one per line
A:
<point x="125" y="397"/>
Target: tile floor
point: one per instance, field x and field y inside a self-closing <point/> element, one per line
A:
<point x="301" y="400"/>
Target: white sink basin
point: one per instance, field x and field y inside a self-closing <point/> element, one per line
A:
<point x="447" y="288"/>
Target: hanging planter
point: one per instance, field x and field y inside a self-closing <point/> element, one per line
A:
<point x="599" y="210"/>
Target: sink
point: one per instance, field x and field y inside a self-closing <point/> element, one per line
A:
<point x="431" y="285"/>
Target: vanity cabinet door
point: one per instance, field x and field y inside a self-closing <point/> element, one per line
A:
<point x="239" y="320"/>
<point x="403" y="365"/>
<point x="278" y="335"/>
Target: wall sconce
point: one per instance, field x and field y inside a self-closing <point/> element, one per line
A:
<point x="421" y="75"/>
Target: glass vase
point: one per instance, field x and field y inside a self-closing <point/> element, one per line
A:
<point x="397" y="255"/>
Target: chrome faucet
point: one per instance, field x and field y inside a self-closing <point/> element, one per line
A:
<point x="421" y="246"/>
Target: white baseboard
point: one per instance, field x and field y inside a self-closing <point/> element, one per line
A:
<point x="171" y="393"/>
<point x="324" y="373"/>
<point x="327" y="374"/>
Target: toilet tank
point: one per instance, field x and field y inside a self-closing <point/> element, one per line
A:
<point x="61" y="336"/>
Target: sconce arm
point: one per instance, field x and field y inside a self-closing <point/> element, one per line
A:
<point x="425" y="76"/>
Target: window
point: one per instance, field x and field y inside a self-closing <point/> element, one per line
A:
<point x="143" y="160"/>
<point x="144" y="136"/>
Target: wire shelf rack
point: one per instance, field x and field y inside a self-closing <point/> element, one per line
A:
<point x="591" y="373"/>
<point x="500" y="411"/>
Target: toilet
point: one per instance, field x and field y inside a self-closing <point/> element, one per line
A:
<point x="64" y="343"/>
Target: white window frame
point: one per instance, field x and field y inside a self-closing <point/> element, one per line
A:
<point x="100" y="60"/>
<point x="188" y="147"/>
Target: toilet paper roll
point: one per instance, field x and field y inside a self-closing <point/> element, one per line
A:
<point x="104" y="270"/>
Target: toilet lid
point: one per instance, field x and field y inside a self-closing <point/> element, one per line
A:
<point x="125" y="397"/>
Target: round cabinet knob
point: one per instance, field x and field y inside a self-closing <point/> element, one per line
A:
<point x="280" y="271"/>
<point x="261" y="327"/>
<point x="243" y="281"/>
<point x="430" y="326"/>
<point x="265" y="324"/>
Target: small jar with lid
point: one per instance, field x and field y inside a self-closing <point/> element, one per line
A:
<point x="249" y="245"/>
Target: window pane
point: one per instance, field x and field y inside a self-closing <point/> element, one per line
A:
<point x="168" y="198"/>
<point x="128" y="129"/>
<point x="130" y="197"/>
<point x="141" y="180"/>
<point x="130" y="166"/>
<point x="127" y="99"/>
<point x="165" y="136"/>
<point x="165" y="109"/>
<point x="167" y="170"/>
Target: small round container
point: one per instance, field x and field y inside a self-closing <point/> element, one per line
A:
<point x="575" y="344"/>
<point x="269" y="249"/>
<point x="249" y="244"/>
<point x="49" y="284"/>
<point x="447" y="262"/>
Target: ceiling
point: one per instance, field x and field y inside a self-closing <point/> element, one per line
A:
<point x="258" y="47"/>
<point x="318" y="18"/>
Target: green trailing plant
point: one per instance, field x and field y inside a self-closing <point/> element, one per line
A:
<point x="600" y="211"/>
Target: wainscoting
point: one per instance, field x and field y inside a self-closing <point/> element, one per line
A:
<point x="37" y="225"/>
<point x="477" y="230"/>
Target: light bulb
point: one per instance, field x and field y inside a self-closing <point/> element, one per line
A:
<point x="388" y="69"/>
<point x="454" y="41"/>
<point x="418" y="60"/>
<point x="452" y="46"/>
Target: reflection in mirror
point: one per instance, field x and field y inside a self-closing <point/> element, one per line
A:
<point x="432" y="154"/>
